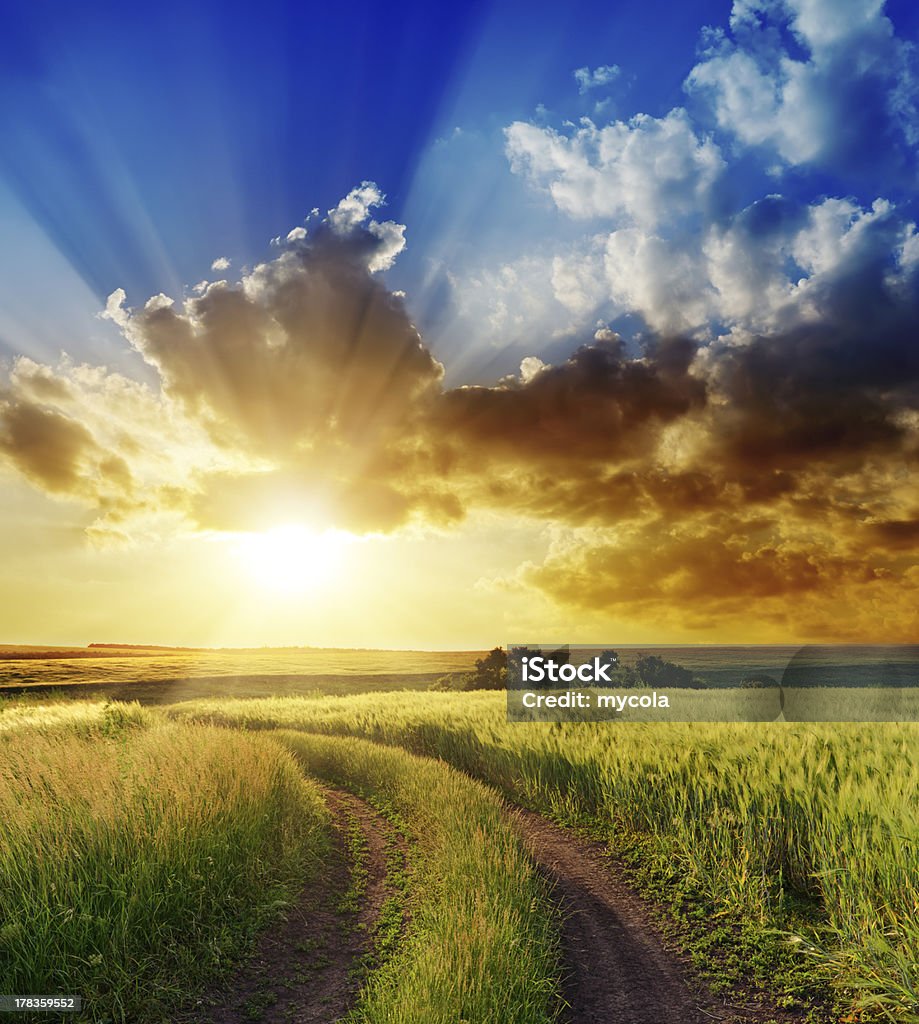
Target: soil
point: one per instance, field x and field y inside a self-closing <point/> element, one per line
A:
<point x="620" y="968"/>
<point x="308" y="968"/>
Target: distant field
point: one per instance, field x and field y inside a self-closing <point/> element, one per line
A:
<point x="33" y="652"/>
<point x="165" y="675"/>
<point x="156" y="675"/>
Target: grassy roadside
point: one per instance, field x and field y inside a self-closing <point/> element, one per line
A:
<point x="138" y="857"/>
<point x="747" y="832"/>
<point x="481" y="936"/>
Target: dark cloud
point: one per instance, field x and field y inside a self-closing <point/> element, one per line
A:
<point x="311" y="349"/>
<point x="792" y="402"/>
<point x="898" y="534"/>
<point x="309" y="372"/>
<point x="55" y="452"/>
<point x="724" y="573"/>
<point x="712" y="561"/>
<point x="601" y="406"/>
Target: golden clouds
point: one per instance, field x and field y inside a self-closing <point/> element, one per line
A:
<point x="53" y="451"/>
<point x="695" y="483"/>
<point x="310" y="350"/>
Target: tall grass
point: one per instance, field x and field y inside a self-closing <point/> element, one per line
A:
<point x="482" y="946"/>
<point x="138" y="857"/>
<point x="756" y="817"/>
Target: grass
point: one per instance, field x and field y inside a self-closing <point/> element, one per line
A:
<point x="805" y="828"/>
<point x="144" y="852"/>
<point x="357" y="853"/>
<point x="482" y="937"/>
<point x="139" y="857"/>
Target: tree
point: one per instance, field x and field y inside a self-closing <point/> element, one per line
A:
<point x="609" y="657"/>
<point x="490" y="672"/>
<point x="654" y="671"/>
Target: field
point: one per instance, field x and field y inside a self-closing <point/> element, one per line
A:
<point x="168" y="675"/>
<point x="678" y="871"/>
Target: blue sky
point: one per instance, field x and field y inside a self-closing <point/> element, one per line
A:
<point x="141" y="141"/>
<point x="143" y="138"/>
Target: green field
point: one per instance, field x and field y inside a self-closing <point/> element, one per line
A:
<point x="814" y="828"/>
<point x="784" y="857"/>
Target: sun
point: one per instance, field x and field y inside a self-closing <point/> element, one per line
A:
<point x="293" y="559"/>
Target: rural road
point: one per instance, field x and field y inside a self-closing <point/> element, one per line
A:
<point x="304" y="969"/>
<point x="619" y="971"/>
<point x="618" y="968"/>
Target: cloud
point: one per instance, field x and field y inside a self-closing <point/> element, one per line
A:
<point x="731" y="576"/>
<point x="538" y="294"/>
<point x="811" y="84"/>
<point x="354" y="209"/>
<point x="111" y="444"/>
<point x="530" y="366"/>
<point x="292" y="386"/>
<point x="601" y="405"/>
<point x="51" y="450"/>
<point x="307" y="368"/>
<point x="578" y="280"/>
<point x="684" y="476"/>
<point x="774" y="264"/>
<point x="663" y="279"/>
<point x="221" y="263"/>
<point x="352" y="216"/>
<point x="644" y="171"/>
<point x="846" y="102"/>
<point x="596" y="78"/>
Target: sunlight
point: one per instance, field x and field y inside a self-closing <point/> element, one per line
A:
<point x="293" y="559"/>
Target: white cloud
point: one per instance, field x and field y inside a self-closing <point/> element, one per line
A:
<point x="647" y="171"/>
<point x="597" y="78"/>
<point x="540" y="295"/>
<point x="809" y="82"/>
<point x="355" y="208"/>
<point x="221" y="263"/>
<point x="114" y="308"/>
<point x="823" y="24"/>
<point x="807" y="263"/>
<point x="391" y="237"/>
<point x="353" y="212"/>
<point x="578" y="281"/>
<point x="850" y="101"/>
<point x="530" y="366"/>
<point x="663" y="280"/>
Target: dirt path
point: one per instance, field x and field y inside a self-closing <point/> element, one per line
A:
<point x="307" y="968"/>
<point x="619" y="969"/>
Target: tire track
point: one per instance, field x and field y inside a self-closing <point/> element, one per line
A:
<point x="619" y="970"/>
<point x="308" y="968"/>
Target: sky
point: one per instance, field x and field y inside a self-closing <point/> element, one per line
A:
<point x="450" y="326"/>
